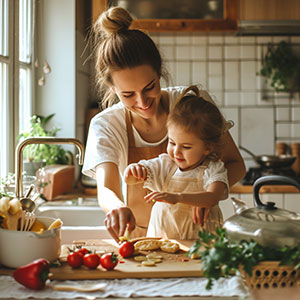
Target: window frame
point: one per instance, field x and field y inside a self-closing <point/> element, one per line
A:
<point x="13" y="81"/>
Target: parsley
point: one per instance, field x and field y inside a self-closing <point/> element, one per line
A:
<point x="221" y="258"/>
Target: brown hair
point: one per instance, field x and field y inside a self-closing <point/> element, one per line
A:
<point x="201" y="117"/>
<point x="117" y="47"/>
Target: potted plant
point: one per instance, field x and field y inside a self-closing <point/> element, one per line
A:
<point x="281" y="67"/>
<point x="38" y="155"/>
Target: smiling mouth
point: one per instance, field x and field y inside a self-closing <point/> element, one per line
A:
<point x="145" y="108"/>
<point x="179" y="159"/>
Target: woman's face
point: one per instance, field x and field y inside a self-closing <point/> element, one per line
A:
<point x="139" y="89"/>
<point x="185" y="148"/>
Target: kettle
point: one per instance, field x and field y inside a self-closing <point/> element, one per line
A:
<point x="266" y="224"/>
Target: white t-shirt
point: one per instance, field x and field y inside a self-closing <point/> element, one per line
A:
<point x="107" y="139"/>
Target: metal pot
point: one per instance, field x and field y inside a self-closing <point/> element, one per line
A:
<point x="21" y="247"/>
<point x="271" y="161"/>
<point x="265" y="223"/>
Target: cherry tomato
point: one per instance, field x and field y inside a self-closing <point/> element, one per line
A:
<point x="75" y="259"/>
<point x="126" y="249"/>
<point x="91" y="260"/>
<point x="82" y="251"/>
<point x="109" y="261"/>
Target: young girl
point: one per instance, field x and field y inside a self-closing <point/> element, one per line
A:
<point x="191" y="174"/>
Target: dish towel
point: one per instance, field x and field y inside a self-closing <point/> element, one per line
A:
<point x="128" y="288"/>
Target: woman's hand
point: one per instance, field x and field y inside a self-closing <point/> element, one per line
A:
<point x="117" y="220"/>
<point x="135" y="173"/>
<point x="170" y="198"/>
<point x="200" y="215"/>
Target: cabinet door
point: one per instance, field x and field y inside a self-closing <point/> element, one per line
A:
<point x="177" y="15"/>
<point x="269" y="10"/>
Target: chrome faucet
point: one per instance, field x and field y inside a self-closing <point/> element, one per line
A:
<point x="40" y="140"/>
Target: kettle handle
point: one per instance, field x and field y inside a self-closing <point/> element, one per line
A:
<point x="271" y="180"/>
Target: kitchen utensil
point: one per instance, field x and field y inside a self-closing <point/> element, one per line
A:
<point x="79" y="287"/>
<point x="21" y="247"/>
<point x="271" y="161"/>
<point x="28" y="204"/>
<point x="265" y="223"/>
<point x="27" y="220"/>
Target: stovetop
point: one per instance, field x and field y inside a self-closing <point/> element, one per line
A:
<point x="256" y="172"/>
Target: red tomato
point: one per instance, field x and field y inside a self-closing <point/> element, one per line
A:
<point x="91" y="260"/>
<point x="126" y="249"/>
<point x="75" y="259"/>
<point x="82" y="251"/>
<point x="109" y="261"/>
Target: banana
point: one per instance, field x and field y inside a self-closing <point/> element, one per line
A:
<point x="14" y="206"/>
<point x="4" y="204"/>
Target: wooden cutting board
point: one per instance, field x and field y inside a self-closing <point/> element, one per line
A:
<point x="172" y="265"/>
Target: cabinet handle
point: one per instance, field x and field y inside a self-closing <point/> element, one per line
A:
<point x="157" y="24"/>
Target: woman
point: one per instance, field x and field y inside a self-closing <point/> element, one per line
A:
<point x="129" y="66"/>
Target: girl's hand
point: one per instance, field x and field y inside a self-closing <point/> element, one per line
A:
<point x="162" y="197"/>
<point x="117" y="220"/>
<point x="200" y="215"/>
<point x="135" y="173"/>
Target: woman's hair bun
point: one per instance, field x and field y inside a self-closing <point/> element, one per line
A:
<point x="113" y="20"/>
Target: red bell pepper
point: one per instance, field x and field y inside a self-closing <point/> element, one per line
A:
<point x="34" y="274"/>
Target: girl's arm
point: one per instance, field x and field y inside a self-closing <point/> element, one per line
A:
<point x="135" y="173"/>
<point x="215" y="192"/>
<point x="233" y="160"/>
<point x="111" y="201"/>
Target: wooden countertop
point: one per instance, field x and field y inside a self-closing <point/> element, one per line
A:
<point x="248" y="189"/>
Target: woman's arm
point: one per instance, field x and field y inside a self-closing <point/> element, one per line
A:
<point x="111" y="201"/>
<point x="233" y="160"/>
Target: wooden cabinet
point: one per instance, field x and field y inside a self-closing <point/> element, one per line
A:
<point x="269" y="10"/>
<point x="187" y="16"/>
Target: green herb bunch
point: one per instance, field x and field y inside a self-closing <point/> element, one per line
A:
<point x="221" y="258"/>
<point x="281" y="66"/>
<point x="47" y="153"/>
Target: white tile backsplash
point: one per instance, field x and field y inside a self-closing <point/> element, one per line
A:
<point x="198" y="53"/>
<point x="248" y="52"/>
<point x="248" y="75"/>
<point x="232" y="75"/>
<point x="282" y="113"/>
<point x="183" y="53"/>
<point x="232" y="98"/>
<point x="257" y="130"/>
<point x="232" y="52"/>
<point x="215" y="68"/>
<point x="227" y="66"/>
<point x="215" y="53"/>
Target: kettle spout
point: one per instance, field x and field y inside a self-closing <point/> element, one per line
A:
<point x="238" y="205"/>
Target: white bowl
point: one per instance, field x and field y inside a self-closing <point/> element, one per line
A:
<point x="18" y="248"/>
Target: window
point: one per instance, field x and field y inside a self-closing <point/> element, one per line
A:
<point x="16" y="75"/>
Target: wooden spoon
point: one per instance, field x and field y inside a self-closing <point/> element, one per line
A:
<point x="88" y="287"/>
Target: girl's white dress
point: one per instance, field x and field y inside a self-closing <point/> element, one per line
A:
<point x="174" y="221"/>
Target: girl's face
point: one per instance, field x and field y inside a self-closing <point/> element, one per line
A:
<point x="139" y="89"/>
<point x="185" y="148"/>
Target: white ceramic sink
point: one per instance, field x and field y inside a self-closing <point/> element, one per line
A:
<point x="79" y="221"/>
<point x="74" y="215"/>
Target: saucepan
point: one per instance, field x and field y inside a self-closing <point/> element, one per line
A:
<point x="271" y="161"/>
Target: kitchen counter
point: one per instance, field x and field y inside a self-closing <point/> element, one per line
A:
<point x="248" y="189"/>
